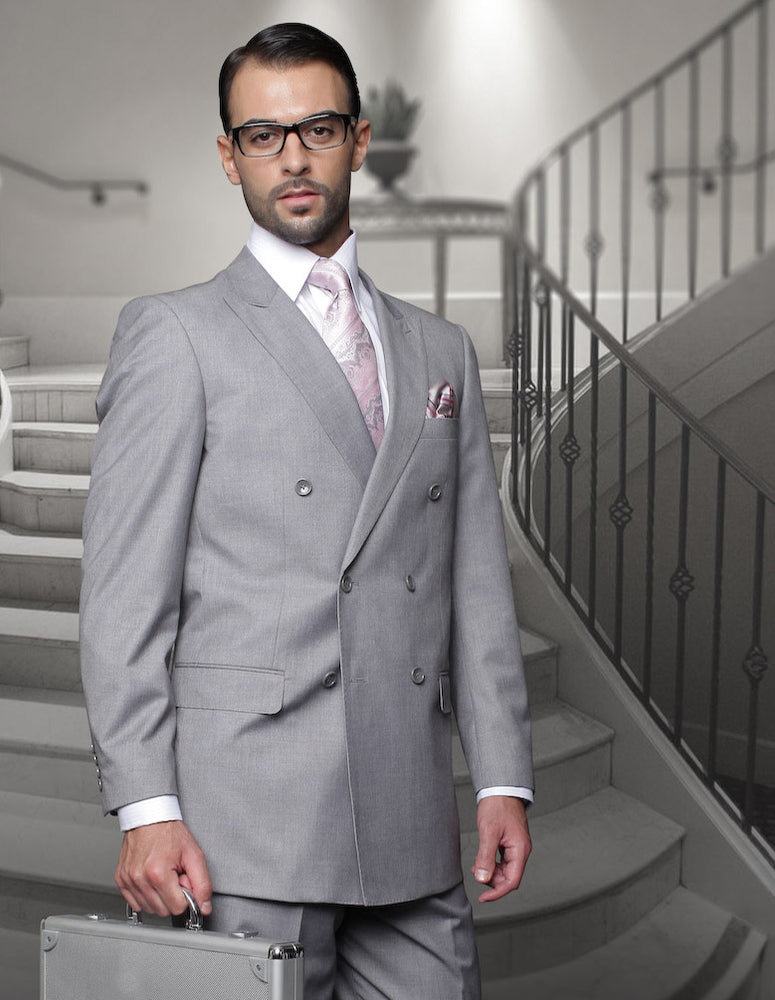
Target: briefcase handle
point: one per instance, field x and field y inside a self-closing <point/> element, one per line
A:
<point x="193" y="920"/>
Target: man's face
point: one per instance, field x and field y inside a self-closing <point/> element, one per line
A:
<point x="300" y="195"/>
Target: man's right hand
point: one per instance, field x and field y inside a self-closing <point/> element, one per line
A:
<point x="155" y="861"/>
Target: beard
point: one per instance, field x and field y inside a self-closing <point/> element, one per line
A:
<point x="303" y="227"/>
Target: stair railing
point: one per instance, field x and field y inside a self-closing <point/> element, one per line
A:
<point x="6" y="427"/>
<point x="662" y="540"/>
<point x="98" y="188"/>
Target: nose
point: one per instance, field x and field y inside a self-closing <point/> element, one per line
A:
<point x="295" y="156"/>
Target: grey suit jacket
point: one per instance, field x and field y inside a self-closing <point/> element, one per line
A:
<point x="325" y="609"/>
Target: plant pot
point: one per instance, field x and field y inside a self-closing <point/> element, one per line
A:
<point x="387" y="160"/>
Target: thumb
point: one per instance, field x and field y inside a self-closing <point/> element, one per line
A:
<point x="484" y="863"/>
<point x="196" y="878"/>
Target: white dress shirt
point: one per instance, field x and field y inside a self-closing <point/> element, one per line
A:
<point x="289" y="266"/>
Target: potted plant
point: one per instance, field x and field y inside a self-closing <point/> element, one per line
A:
<point x="393" y="117"/>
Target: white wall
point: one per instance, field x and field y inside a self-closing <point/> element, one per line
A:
<point x="109" y="89"/>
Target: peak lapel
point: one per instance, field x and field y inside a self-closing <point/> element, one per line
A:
<point x="280" y="327"/>
<point x="406" y="366"/>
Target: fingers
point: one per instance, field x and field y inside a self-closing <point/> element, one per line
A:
<point x="154" y="861"/>
<point x="504" y="846"/>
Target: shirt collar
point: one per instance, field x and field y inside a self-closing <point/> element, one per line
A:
<point x="289" y="265"/>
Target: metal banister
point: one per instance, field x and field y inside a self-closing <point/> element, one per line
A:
<point x="660" y="536"/>
<point x="98" y="188"/>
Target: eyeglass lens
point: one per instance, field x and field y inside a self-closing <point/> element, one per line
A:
<point x="266" y="138"/>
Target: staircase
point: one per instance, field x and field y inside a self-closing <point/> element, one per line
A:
<point x="601" y="913"/>
<point x="57" y="852"/>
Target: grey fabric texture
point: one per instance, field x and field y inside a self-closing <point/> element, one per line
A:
<point x="311" y="762"/>
<point x="424" y="948"/>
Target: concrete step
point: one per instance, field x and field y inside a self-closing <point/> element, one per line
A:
<point x="54" y="842"/>
<point x="14" y="353"/>
<point x="45" y="745"/>
<point x="496" y="389"/>
<point x="571" y="758"/>
<point x="56" y="393"/>
<point x="598" y="867"/>
<point x="684" y="948"/>
<point x="39" y="647"/>
<point x="43" y="501"/>
<point x="39" y="567"/>
<point x="539" y="656"/>
<point x="19" y="958"/>
<point x="55" y="857"/>
<point x="500" y="446"/>
<point x="51" y="446"/>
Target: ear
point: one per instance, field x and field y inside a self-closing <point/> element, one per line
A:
<point x="362" y="134"/>
<point x="226" y="153"/>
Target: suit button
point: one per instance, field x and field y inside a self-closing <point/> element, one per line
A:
<point x="434" y="492"/>
<point x="418" y="675"/>
<point x="347" y="583"/>
<point x="410" y="584"/>
<point x="330" y="679"/>
<point x="303" y="487"/>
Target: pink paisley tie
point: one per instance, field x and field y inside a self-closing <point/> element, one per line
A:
<point x="349" y="341"/>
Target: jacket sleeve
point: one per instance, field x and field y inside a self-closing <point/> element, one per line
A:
<point x="490" y="696"/>
<point x="151" y="409"/>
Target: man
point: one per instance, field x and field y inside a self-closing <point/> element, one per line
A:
<point x="293" y="499"/>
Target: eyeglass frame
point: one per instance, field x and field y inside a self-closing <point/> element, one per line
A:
<point x="349" y="120"/>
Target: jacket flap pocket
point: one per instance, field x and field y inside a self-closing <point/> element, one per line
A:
<point x="228" y="689"/>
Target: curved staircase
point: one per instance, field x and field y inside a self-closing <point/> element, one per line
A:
<point x="601" y="913"/>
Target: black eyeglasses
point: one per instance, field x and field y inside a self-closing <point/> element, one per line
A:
<point x="326" y="131"/>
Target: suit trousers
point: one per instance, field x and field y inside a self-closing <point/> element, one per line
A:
<point x="404" y="951"/>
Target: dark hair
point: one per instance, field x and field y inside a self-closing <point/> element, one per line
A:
<point x="284" y="45"/>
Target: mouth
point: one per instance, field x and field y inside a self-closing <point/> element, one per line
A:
<point x="299" y="199"/>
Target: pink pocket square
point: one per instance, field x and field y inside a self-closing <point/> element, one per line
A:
<point x="441" y="400"/>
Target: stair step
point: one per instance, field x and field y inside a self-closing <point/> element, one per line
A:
<point x="39" y="647"/>
<point x="571" y="758"/>
<point x="500" y="444"/>
<point x="58" y="392"/>
<point x="19" y="960"/>
<point x="50" y="446"/>
<point x="43" y="501"/>
<point x="598" y="866"/>
<point x="45" y="745"/>
<point x="38" y="566"/>
<point x="496" y="389"/>
<point x="14" y="353"/>
<point x="539" y="656"/>
<point x="685" y="947"/>
<point x="57" y="842"/>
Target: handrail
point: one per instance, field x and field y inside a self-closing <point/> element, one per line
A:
<point x="6" y="426"/>
<point x="630" y="361"/>
<point x="653" y="526"/>
<point x="98" y="188"/>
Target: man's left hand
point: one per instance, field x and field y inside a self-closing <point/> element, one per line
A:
<point x="504" y="845"/>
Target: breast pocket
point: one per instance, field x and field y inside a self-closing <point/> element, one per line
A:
<point x="440" y="427"/>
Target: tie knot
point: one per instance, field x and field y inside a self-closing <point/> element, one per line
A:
<point x="330" y="275"/>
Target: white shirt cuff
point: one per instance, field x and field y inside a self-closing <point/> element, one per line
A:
<point x="526" y="794"/>
<point x="159" y="809"/>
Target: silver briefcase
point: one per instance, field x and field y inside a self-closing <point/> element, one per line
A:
<point x="96" y="957"/>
